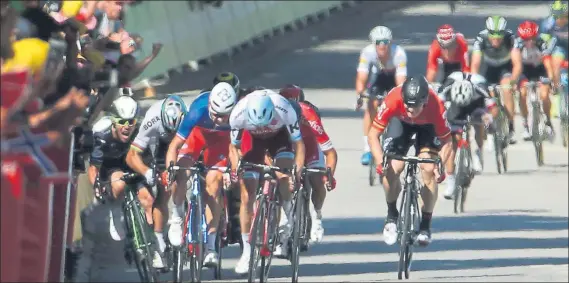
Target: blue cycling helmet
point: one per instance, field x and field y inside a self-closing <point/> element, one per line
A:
<point x="260" y="109"/>
<point x="172" y="113"/>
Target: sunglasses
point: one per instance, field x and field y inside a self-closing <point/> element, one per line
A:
<point x="124" y="122"/>
<point x="383" y="41"/>
<point x="496" y="34"/>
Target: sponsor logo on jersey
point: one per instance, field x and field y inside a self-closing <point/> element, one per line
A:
<point x="316" y="127"/>
<point x="151" y="123"/>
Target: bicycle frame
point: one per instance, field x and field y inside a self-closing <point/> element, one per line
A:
<point x="500" y="134"/>
<point x="536" y="115"/>
<point x="463" y="166"/>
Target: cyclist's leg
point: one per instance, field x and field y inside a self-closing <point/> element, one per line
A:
<point x="116" y="228"/>
<point x="428" y="146"/>
<point x="508" y="92"/>
<point x="397" y="141"/>
<point x="478" y="110"/>
<point x="215" y="154"/>
<point x="558" y="57"/>
<point x="526" y="74"/>
<point x="544" y="91"/>
<point x="384" y="82"/>
<point x="453" y="113"/>
<point x="186" y="158"/>
<point x="315" y="159"/>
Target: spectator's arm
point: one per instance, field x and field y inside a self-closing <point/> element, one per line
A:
<point x="140" y="66"/>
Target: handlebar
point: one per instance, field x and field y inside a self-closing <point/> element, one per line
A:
<point x="198" y="167"/>
<point x="327" y="171"/>
<point x="100" y="195"/>
<point x="410" y="159"/>
<point x="265" y="168"/>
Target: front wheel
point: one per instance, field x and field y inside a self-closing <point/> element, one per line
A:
<point x="179" y="259"/>
<point x="256" y="238"/>
<point x="296" y="231"/>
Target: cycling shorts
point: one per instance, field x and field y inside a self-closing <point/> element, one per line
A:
<point x="494" y="74"/>
<point x="533" y="73"/>
<point x="276" y="146"/>
<point x="246" y="142"/>
<point x="456" y="113"/>
<point x="215" y="143"/>
<point x="397" y="138"/>
<point x="383" y="83"/>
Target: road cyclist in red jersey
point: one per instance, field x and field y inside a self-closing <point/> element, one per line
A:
<point x="411" y="109"/>
<point x="451" y="48"/>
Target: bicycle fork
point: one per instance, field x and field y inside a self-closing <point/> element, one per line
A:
<point x="192" y="213"/>
<point x="266" y="198"/>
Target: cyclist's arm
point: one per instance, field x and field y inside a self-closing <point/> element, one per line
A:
<point x="96" y="159"/>
<point x="362" y="73"/>
<point x="384" y="113"/>
<point x="234" y="147"/>
<point x="442" y="130"/>
<point x="432" y="62"/>
<point x="549" y="43"/>
<point x="147" y="129"/>
<point x="190" y="121"/>
<point x="400" y="62"/>
<point x="464" y="58"/>
<point x="322" y="137"/>
<point x="293" y="127"/>
<point x="476" y="55"/>
<point x="517" y="65"/>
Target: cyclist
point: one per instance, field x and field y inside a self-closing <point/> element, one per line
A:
<point x="320" y="152"/>
<point x="466" y="94"/>
<point x="387" y="63"/>
<point x="204" y="125"/>
<point x="495" y="44"/>
<point x="112" y="137"/>
<point x="452" y="49"/>
<point x="535" y="50"/>
<point x="557" y="24"/>
<point x="274" y="127"/>
<point x="412" y="108"/>
<point x="160" y="123"/>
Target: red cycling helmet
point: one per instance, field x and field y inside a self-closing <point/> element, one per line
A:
<point x="528" y="30"/>
<point x="293" y="92"/>
<point x="446" y="36"/>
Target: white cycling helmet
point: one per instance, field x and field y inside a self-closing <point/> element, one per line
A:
<point x="124" y="107"/>
<point x="461" y="92"/>
<point x="380" y="33"/>
<point x="222" y="98"/>
<point x="496" y="24"/>
<point x="260" y="109"/>
<point x="172" y="113"/>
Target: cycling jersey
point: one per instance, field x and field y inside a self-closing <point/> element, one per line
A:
<point x="494" y="56"/>
<point x="151" y="126"/>
<point x="284" y="117"/>
<point x="549" y="25"/>
<point x="459" y="57"/>
<point x="433" y="113"/>
<point x="397" y="62"/>
<point x="198" y="116"/>
<point x="313" y="124"/>
<point x="534" y="56"/>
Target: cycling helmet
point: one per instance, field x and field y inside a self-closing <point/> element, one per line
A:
<point x="229" y="78"/>
<point x="124" y="107"/>
<point x="446" y="36"/>
<point x="260" y="110"/>
<point x="415" y="91"/>
<point x="496" y="24"/>
<point x="558" y="9"/>
<point x="461" y="92"/>
<point x="222" y="98"/>
<point x="528" y="30"/>
<point x="293" y="92"/>
<point x="173" y="111"/>
<point x="380" y="33"/>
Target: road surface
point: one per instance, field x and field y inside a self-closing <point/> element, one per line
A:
<point x="516" y="225"/>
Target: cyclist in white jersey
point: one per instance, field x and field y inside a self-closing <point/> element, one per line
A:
<point x="160" y="122"/>
<point x="273" y="125"/>
<point x="387" y="63"/>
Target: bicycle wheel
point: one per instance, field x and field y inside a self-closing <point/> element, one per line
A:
<point x="499" y="141"/>
<point x="272" y="236"/>
<point x="142" y="240"/>
<point x="219" y="240"/>
<point x="405" y="223"/>
<point x="469" y="175"/>
<point x="256" y="238"/>
<point x="130" y="250"/>
<point x="178" y="259"/>
<point x="371" y="172"/>
<point x="564" y="117"/>
<point x="460" y="177"/>
<point x="536" y="133"/>
<point x="296" y="234"/>
<point x="197" y="250"/>
<point x="306" y="221"/>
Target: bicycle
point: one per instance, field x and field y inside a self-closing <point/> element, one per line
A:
<point x="500" y="134"/>
<point x="464" y="171"/>
<point x="410" y="216"/>
<point x="195" y="227"/>
<point x="138" y="245"/>
<point x="302" y="197"/>
<point x="264" y="236"/>
<point x="564" y="107"/>
<point x="537" y="118"/>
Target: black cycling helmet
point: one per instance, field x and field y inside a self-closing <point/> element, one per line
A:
<point x="415" y="91"/>
<point x="229" y="78"/>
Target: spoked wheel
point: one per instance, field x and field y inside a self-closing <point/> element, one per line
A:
<point x="460" y="179"/>
<point x="405" y="240"/>
<point x="256" y="239"/>
<point x="179" y="258"/>
<point x="219" y="246"/>
<point x="272" y="235"/>
<point x="196" y="249"/>
<point x="296" y="235"/>
<point x="536" y="133"/>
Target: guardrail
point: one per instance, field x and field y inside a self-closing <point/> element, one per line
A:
<point x="192" y="32"/>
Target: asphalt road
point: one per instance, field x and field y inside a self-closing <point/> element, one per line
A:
<point x="515" y="227"/>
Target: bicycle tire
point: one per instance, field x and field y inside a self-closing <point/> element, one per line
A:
<point x="221" y="234"/>
<point x="178" y="264"/>
<point x="256" y="230"/>
<point x="306" y="224"/>
<point x="459" y="179"/>
<point x="296" y="233"/>
<point x="139" y="218"/>
<point x="564" y="117"/>
<point x="196" y="258"/>
<point x="470" y="176"/>
<point x="273" y="237"/>
<point x="405" y="241"/>
<point x="129" y="245"/>
<point x="371" y="172"/>
<point x="535" y="133"/>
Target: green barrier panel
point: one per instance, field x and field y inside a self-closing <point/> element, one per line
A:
<point x="192" y="34"/>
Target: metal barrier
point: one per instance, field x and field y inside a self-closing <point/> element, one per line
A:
<point x="191" y="33"/>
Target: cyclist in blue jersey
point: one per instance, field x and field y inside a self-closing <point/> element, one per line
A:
<point x="205" y="124"/>
<point x="557" y="25"/>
